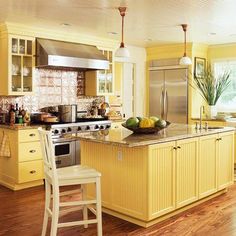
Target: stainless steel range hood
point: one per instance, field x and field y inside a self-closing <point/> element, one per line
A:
<point x="52" y="53"/>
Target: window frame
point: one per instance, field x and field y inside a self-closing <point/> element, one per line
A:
<point x="223" y="109"/>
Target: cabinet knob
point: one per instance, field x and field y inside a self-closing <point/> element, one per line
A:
<point x="32" y="135"/>
<point x="218" y="139"/>
<point x="32" y="171"/>
<point x="32" y="151"/>
<point x="178" y="147"/>
<point x="174" y="148"/>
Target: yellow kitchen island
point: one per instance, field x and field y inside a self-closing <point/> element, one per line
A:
<point x="148" y="178"/>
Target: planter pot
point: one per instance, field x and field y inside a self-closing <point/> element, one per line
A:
<point x="211" y="112"/>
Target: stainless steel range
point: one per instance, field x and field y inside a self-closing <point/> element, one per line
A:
<point x="66" y="146"/>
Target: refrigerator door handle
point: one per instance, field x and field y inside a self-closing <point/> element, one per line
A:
<point x="162" y="102"/>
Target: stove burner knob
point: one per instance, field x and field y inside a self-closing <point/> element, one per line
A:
<point x="63" y="131"/>
<point x="79" y="128"/>
<point x="101" y="127"/>
<point x="108" y="126"/>
<point x="96" y="127"/>
<point x="56" y="131"/>
<point x="87" y="127"/>
<point x="69" y="129"/>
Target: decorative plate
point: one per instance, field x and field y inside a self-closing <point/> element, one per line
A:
<point x="151" y="130"/>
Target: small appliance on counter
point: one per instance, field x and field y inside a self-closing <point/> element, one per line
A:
<point x="67" y="113"/>
<point x="43" y="117"/>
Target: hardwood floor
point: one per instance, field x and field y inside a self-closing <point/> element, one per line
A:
<point x="21" y="214"/>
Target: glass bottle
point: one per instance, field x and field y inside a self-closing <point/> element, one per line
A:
<point x="12" y="115"/>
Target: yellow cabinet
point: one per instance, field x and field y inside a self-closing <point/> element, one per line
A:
<point x="147" y="184"/>
<point x="24" y="167"/>
<point x="186" y="171"/>
<point x="215" y="163"/>
<point x="100" y="82"/>
<point x="207" y="165"/>
<point x="173" y="174"/>
<point x="161" y="179"/>
<point x="29" y="135"/>
<point x="30" y="151"/>
<point x="30" y="171"/>
<point x="16" y="63"/>
<point x="225" y="159"/>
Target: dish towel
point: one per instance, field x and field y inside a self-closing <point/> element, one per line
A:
<point x="5" y="146"/>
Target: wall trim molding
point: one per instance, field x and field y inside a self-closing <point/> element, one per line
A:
<point x="20" y="29"/>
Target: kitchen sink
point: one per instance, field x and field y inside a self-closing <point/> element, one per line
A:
<point x="215" y="127"/>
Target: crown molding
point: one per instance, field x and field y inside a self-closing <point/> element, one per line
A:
<point x="20" y="29"/>
<point x="222" y="45"/>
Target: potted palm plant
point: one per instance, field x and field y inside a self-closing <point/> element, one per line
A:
<point x="211" y="87"/>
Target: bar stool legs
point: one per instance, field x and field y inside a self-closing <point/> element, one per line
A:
<point x="47" y="207"/>
<point x="55" y="210"/>
<point x="99" y="207"/>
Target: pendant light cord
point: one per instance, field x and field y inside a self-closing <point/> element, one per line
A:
<point x="185" y="43"/>
<point x="184" y="26"/>
<point x="122" y="34"/>
<point x="122" y="13"/>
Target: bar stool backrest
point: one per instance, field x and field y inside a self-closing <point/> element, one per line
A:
<point x="48" y="156"/>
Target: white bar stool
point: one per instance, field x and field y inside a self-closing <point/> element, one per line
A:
<point x="72" y="175"/>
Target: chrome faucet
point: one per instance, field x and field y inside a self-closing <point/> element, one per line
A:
<point x="201" y="112"/>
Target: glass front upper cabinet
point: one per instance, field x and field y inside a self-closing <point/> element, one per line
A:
<point x="22" y="63"/>
<point x="105" y="77"/>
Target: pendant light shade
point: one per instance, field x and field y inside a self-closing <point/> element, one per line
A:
<point x="122" y="51"/>
<point x="185" y="61"/>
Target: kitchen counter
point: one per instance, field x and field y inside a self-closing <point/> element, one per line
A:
<point x="124" y="137"/>
<point x="149" y="178"/>
<point x="19" y="126"/>
<point x="208" y="119"/>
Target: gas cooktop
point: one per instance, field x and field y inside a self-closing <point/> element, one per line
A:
<point x="71" y="128"/>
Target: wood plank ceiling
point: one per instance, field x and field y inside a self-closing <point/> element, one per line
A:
<point x="147" y="22"/>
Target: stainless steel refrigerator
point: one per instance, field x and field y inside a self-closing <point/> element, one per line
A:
<point x="168" y="94"/>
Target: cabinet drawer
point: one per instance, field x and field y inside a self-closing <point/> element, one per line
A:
<point x="28" y="135"/>
<point x="30" y="171"/>
<point x="30" y="151"/>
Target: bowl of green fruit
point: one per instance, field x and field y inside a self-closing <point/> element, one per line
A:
<point x="145" y="125"/>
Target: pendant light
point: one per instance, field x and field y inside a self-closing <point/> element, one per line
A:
<point x="185" y="60"/>
<point x="122" y="51"/>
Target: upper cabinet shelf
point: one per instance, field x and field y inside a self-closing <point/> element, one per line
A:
<point x="17" y="63"/>
<point x="100" y="82"/>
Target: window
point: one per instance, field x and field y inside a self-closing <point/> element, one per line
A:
<point x="227" y="102"/>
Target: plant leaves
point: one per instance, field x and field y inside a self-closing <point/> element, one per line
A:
<point x="211" y="87"/>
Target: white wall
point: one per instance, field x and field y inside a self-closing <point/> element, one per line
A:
<point x="138" y="57"/>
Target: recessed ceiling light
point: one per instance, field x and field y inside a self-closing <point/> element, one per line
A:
<point x="65" y="24"/>
<point x="212" y="33"/>
<point x="112" y="33"/>
<point x="148" y="40"/>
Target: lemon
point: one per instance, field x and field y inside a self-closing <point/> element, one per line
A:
<point x="146" y="123"/>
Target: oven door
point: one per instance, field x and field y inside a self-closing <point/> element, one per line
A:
<point x="64" y="153"/>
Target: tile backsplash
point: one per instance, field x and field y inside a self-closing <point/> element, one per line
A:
<point x="54" y="87"/>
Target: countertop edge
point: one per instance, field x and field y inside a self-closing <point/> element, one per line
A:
<point x="158" y="141"/>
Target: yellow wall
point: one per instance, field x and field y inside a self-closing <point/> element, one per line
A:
<point x="118" y="81"/>
<point x="221" y="51"/>
<point x="196" y="100"/>
<point x="176" y="51"/>
<point x="164" y="51"/>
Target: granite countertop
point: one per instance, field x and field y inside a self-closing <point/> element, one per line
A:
<point x="19" y="126"/>
<point x="124" y="137"/>
<point x="209" y="119"/>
